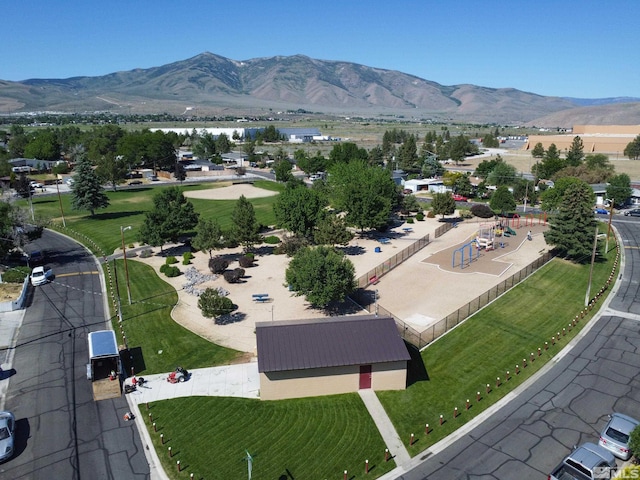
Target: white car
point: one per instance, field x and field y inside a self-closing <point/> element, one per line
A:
<point x="7" y="430"/>
<point x="40" y="276"/>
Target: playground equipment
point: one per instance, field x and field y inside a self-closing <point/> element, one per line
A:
<point x="466" y="246"/>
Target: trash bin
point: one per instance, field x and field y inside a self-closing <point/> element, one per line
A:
<point x="377" y="250"/>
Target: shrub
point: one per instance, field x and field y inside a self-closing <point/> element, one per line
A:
<point x="171" y="271"/>
<point x="146" y="253"/>
<point x="16" y="275"/>
<point x="186" y="258"/>
<point x="251" y="255"/>
<point x="271" y="240"/>
<point x="430" y="214"/>
<point x="218" y="265"/>
<point x="290" y="245"/>
<point x="420" y="216"/>
<point x="163" y="267"/>
<point x="465" y="214"/>
<point x="410" y="220"/>
<point x="246" y="261"/>
<point x="212" y="304"/>
<point x="634" y="441"/>
<point x="234" y="276"/>
<point x="171" y="260"/>
<point x="482" y="210"/>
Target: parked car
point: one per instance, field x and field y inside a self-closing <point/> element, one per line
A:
<point x="135" y="182"/>
<point x="589" y="461"/>
<point x="7" y="431"/>
<point x="36" y="258"/>
<point x="601" y="211"/>
<point x="40" y="276"/>
<point x="459" y="198"/>
<point x="633" y="213"/>
<point x="615" y="435"/>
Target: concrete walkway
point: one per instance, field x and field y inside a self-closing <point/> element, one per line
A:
<point x="385" y="427"/>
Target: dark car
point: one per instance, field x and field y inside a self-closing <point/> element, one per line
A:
<point x="36" y="258"/>
<point x="135" y="182"/>
<point x="633" y="213"/>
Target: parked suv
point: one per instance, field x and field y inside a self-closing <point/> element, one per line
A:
<point x="633" y="213"/>
<point x="615" y="435"/>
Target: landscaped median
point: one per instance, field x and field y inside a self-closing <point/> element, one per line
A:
<point x="466" y="371"/>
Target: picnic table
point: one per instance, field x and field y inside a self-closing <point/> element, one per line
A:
<point x="407" y="229"/>
<point x="260" y="297"/>
<point x="384" y="240"/>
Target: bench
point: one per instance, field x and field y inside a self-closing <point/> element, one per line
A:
<point x="407" y="229"/>
<point x="260" y="297"/>
<point x="384" y="240"/>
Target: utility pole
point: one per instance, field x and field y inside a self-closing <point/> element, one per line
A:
<point x="593" y="259"/>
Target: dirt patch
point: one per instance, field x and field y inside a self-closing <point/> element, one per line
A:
<point x="10" y="292"/>
<point x="230" y="192"/>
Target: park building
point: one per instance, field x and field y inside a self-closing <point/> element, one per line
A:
<point x="606" y="139"/>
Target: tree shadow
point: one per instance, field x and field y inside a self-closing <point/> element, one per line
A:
<point x="115" y="215"/>
<point x="132" y="358"/>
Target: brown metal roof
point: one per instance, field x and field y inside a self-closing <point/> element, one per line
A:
<point x="328" y="342"/>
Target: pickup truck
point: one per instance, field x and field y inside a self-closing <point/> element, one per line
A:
<point x="587" y="462"/>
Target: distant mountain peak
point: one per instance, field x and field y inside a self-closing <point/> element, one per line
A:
<point x="218" y="84"/>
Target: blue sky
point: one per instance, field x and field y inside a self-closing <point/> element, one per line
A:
<point x="586" y="49"/>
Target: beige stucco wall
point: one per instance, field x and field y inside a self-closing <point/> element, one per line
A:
<point x="611" y="139"/>
<point x="330" y="381"/>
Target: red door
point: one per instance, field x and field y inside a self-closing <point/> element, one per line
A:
<point x="365" y="376"/>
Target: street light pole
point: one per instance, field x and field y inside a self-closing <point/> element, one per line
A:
<point x="64" y="224"/>
<point x="593" y="260"/>
<point x="606" y="247"/>
<point x="124" y="254"/>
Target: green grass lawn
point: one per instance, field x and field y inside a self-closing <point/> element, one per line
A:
<point x="157" y="342"/>
<point x="488" y="345"/>
<point x="458" y="365"/>
<point x="128" y="207"/>
<point x="312" y="438"/>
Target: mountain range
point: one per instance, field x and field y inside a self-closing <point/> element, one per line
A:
<point x="214" y="85"/>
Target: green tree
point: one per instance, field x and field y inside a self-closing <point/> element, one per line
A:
<point x="214" y="305"/>
<point x="502" y="174"/>
<point x="223" y="144"/>
<point x="332" y="230"/>
<point x="321" y="274"/>
<point x="443" y="204"/>
<point x="298" y="209"/>
<point x="485" y="167"/>
<point x="366" y="194"/>
<point x="283" y="169"/>
<point x="171" y="216"/>
<point x="181" y="174"/>
<point x="209" y="236"/>
<point x="551" y="163"/>
<point x="376" y="156"/>
<point x="538" y="152"/>
<point x="634" y="441"/>
<point x="490" y="141"/>
<point x="245" y="226"/>
<point x="619" y="189"/>
<point x="112" y="169"/>
<point x="86" y="190"/>
<point x="502" y="200"/>
<point x="18" y="141"/>
<point x="572" y="230"/>
<point x="347" y="152"/>
<point x="431" y="167"/>
<point x="552" y="197"/>
<point x="205" y="148"/>
<point x="408" y="154"/>
<point x="43" y="146"/>
<point x="575" y="155"/>
<point x="632" y="150"/>
<point x="598" y="161"/>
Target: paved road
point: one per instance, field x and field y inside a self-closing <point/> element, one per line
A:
<point x="566" y="406"/>
<point x="61" y="432"/>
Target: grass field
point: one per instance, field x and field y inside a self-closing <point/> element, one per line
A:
<point x="128" y="207"/>
<point x="457" y="366"/>
<point x="157" y="342"/>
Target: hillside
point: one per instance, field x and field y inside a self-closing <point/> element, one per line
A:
<point x="217" y="85"/>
